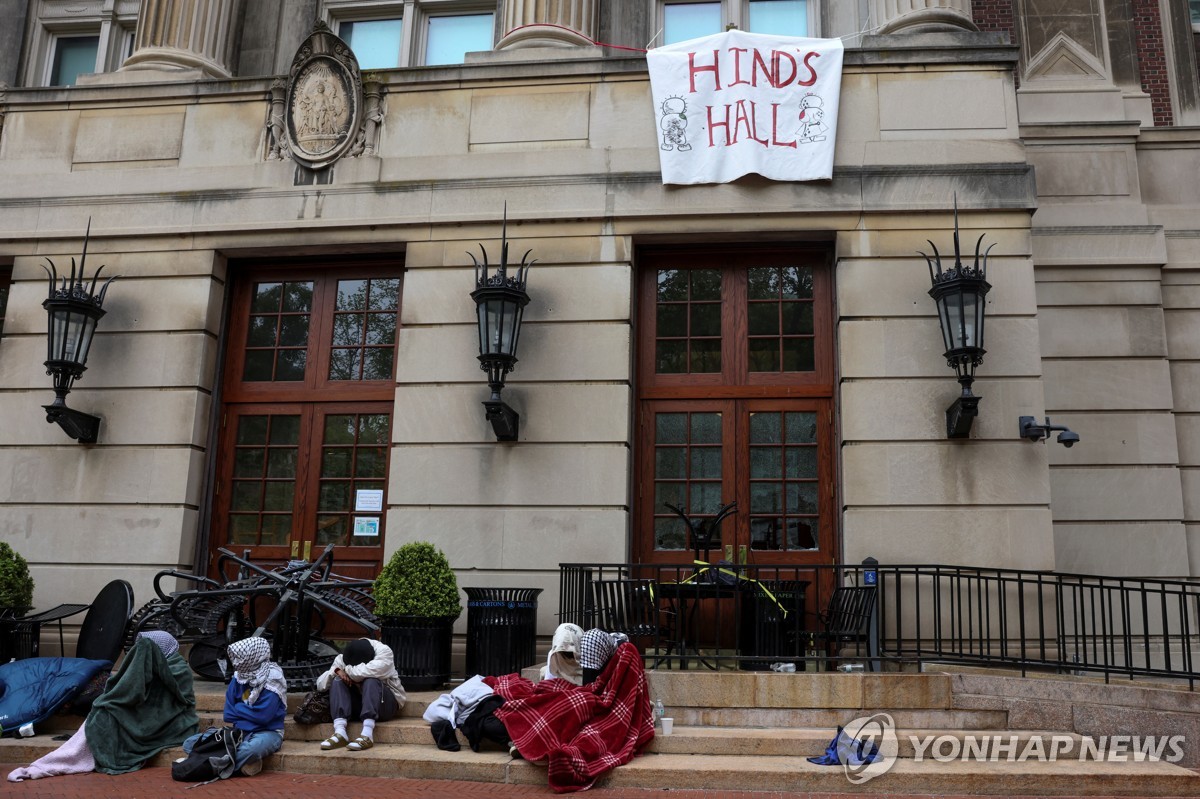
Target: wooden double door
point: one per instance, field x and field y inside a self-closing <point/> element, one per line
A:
<point x="736" y="404"/>
<point x="306" y="421"/>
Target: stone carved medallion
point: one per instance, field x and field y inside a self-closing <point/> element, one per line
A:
<point x="324" y="100"/>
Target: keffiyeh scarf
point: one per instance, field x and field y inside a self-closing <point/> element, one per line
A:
<point x="253" y="667"/>
<point x="165" y="641"/>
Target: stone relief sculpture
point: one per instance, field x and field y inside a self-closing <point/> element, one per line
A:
<point x="277" y="145"/>
<point x="321" y="113"/>
<point x="366" y="143"/>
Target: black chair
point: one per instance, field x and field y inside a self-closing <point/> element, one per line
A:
<point x="628" y="606"/>
<point x="103" y="631"/>
<point x="850" y="619"/>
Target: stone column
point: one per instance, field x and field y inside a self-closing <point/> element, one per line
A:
<point x="185" y="35"/>
<point x="914" y="16"/>
<point x="548" y="23"/>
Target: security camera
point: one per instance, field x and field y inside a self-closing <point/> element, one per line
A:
<point x="1033" y="431"/>
<point x="1068" y="438"/>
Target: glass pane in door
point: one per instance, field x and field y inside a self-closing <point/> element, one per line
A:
<point x="688" y="321"/>
<point x="277" y="337"/>
<point x="687" y="473"/>
<point x="264" y="479"/>
<point x="784" y="507"/>
<point x="781" y="335"/>
<point x="353" y="460"/>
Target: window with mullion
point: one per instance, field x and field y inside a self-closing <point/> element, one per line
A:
<point x="316" y="328"/>
<point x="387" y="35"/>
<point x="681" y="20"/>
<point x="689" y="326"/>
<point x="263" y="488"/>
<point x="741" y="324"/>
<point x="688" y="472"/>
<point x="353" y="458"/>
<point x="783" y="476"/>
<point x="780" y="311"/>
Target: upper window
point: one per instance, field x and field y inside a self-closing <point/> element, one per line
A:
<point x="73" y="56"/>
<point x="1194" y="5"/>
<point x="332" y="330"/>
<point x="385" y="34"/>
<point x="5" y="283"/>
<point x="753" y="317"/>
<point x="681" y="20"/>
<point x="68" y="39"/>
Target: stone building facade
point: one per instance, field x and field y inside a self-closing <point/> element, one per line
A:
<point x="1066" y="131"/>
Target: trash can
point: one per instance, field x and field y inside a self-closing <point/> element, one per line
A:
<point x="765" y="630"/>
<point x="501" y="630"/>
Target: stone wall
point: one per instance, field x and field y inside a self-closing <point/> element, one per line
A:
<point x="1088" y="707"/>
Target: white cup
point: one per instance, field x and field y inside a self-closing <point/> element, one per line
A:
<point x="668" y="725"/>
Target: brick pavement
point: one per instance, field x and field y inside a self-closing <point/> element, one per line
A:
<point x="156" y="783"/>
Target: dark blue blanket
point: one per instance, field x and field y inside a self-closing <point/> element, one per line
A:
<point x="33" y="689"/>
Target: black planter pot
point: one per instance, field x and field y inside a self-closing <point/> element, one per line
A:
<point x="421" y="646"/>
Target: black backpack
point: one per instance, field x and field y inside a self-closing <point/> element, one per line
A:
<point x="212" y="757"/>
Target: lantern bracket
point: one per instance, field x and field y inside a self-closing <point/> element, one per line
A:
<point x="83" y="427"/>
<point x="961" y="414"/>
<point x="505" y="421"/>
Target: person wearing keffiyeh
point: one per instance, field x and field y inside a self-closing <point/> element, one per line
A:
<point x="255" y="702"/>
<point x="149" y="705"/>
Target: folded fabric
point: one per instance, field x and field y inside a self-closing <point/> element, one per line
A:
<point x="585" y="731"/>
<point x="149" y="706"/>
<point x="847" y="750"/>
<point x="73" y="757"/>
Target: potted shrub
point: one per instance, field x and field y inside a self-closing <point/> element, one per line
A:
<point x="16" y="586"/>
<point x="16" y="597"/>
<point x="416" y="600"/>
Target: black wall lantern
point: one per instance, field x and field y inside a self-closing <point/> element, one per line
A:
<point x="959" y="293"/>
<point x="74" y="308"/>
<point x="500" y="302"/>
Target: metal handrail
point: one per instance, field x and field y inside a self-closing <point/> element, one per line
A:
<point x="1023" y="619"/>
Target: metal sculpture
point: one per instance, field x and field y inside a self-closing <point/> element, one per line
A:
<point x="298" y="598"/>
<point x="702" y="532"/>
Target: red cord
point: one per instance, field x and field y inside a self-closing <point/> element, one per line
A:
<point x="577" y="33"/>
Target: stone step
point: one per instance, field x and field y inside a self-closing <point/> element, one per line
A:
<point x="775" y="742"/>
<point x="729" y="772"/>
<point x="738" y="690"/>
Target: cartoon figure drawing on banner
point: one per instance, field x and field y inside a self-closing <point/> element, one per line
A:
<point x="812" y="128"/>
<point x="674" y="124"/>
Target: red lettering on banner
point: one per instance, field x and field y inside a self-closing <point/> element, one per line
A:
<point x="775" y="129"/>
<point x="714" y="68"/>
<point x="811" y="70"/>
<point x="712" y="125"/>
<point x="749" y="121"/>
<point x="760" y="62"/>
<point x="737" y="67"/>
<point x="777" y="63"/>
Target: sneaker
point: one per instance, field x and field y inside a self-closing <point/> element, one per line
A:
<point x="512" y="751"/>
<point x="252" y="767"/>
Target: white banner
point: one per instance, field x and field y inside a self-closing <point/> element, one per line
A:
<point x="738" y="102"/>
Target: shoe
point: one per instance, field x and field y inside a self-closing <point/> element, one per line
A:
<point x="335" y="741"/>
<point x="512" y="751"/>
<point x="361" y="743"/>
<point x="252" y="767"/>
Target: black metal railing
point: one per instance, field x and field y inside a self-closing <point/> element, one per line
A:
<point x="758" y="615"/>
<point x="721" y="616"/>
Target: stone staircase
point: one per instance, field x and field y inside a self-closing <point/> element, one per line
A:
<point x="741" y="731"/>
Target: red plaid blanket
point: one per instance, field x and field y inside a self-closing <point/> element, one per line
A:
<point x="583" y="731"/>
